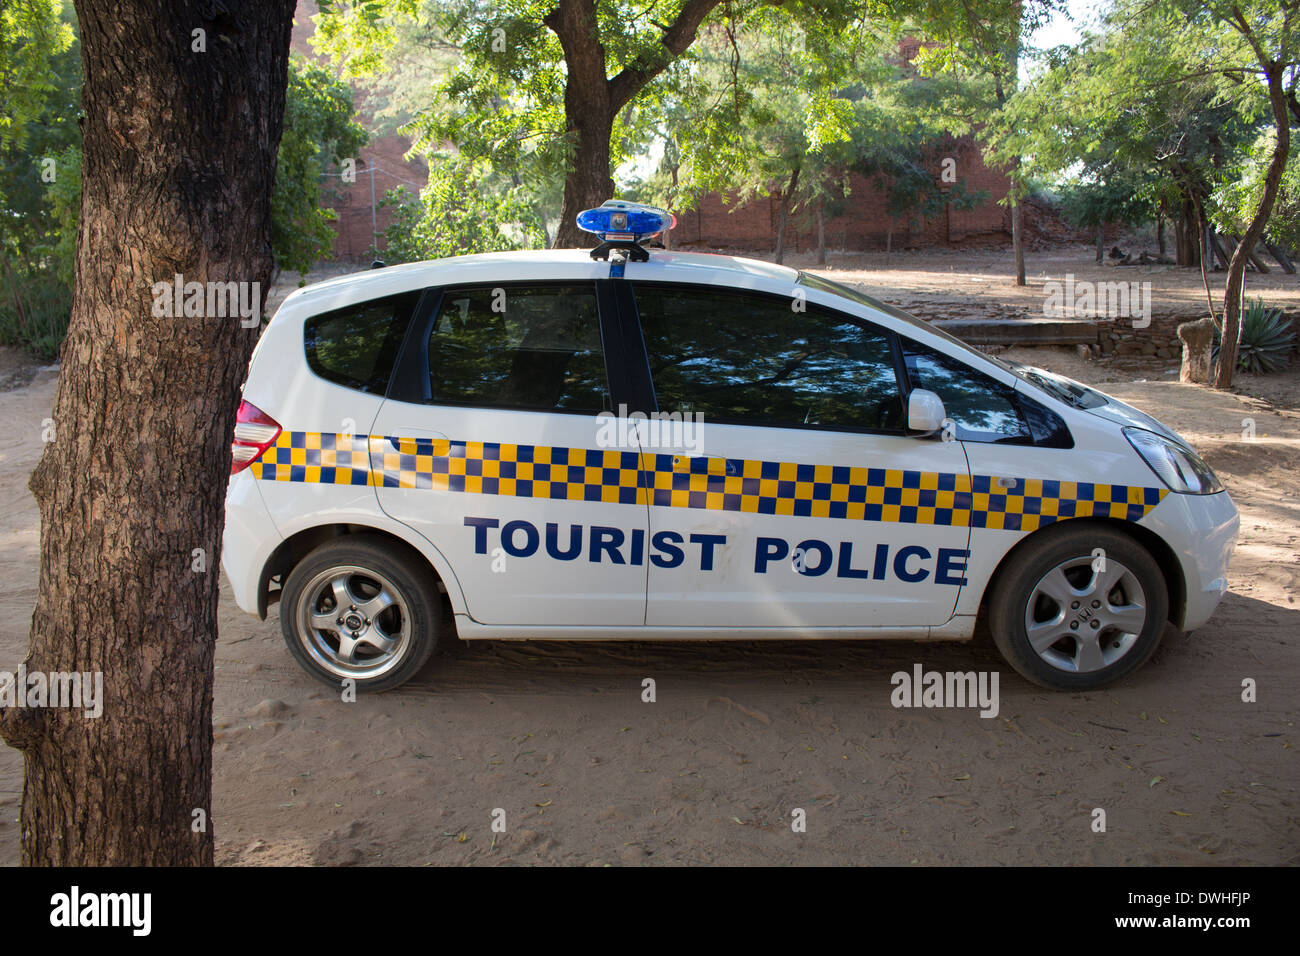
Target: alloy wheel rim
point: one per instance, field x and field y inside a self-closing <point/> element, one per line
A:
<point x="1085" y="614"/>
<point x="353" y="622"/>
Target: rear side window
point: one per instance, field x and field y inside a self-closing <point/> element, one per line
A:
<point x="753" y="359"/>
<point x="356" y="346"/>
<point x="982" y="408"/>
<point x="519" y="347"/>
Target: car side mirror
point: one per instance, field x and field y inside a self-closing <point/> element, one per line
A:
<point x="925" y="412"/>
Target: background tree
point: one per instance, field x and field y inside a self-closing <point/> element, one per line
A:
<point x="31" y="33"/>
<point x="177" y="178"/>
<point x="40" y="66"/>
<point x="795" y="110"/>
<point x="319" y="134"/>
<point x="1095" y="204"/>
<point x="40" y="193"/>
<point x="1236" y="200"/>
<point x="983" y="48"/>
<point x="575" y="88"/>
<point x="1176" y="91"/>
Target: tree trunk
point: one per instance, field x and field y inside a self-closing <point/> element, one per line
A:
<point x="180" y="149"/>
<point x="1017" y="239"/>
<point x="783" y="218"/>
<point x="592" y="99"/>
<point x="1101" y="243"/>
<point x="1235" y="290"/>
<point x="1187" y="241"/>
<point x="821" y="232"/>
<point x="588" y="183"/>
<point x="1160" y="235"/>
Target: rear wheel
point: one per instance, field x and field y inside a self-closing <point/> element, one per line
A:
<point x="356" y="609"/>
<point x="1079" y="608"/>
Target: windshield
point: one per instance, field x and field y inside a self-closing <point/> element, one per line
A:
<point x="1058" y="386"/>
<point x="848" y="292"/>
<point x="1062" y="389"/>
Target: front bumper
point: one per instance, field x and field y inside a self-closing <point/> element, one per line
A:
<point x="1202" y="531"/>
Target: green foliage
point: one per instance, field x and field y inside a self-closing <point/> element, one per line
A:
<point x="1267" y="338"/>
<point x="319" y="134"/>
<point x="453" y="216"/>
<point x="32" y="32"/>
<point x="40" y="67"/>
<point x="40" y="192"/>
<point x="501" y="100"/>
<point x="36" y="162"/>
<point x="1092" y="204"/>
<point x="790" y="99"/>
<point x="1162" y="102"/>
<point x="1235" y="201"/>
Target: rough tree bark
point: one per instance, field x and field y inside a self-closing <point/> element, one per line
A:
<point x="180" y="147"/>
<point x="592" y="100"/>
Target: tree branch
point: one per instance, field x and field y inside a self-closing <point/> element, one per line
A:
<point x="679" y="35"/>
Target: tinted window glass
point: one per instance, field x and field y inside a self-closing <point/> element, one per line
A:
<point x="356" y="346"/>
<point x="754" y="359"/>
<point x="983" y="409"/>
<point x="518" y="348"/>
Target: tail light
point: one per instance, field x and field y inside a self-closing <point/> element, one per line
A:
<point x="255" y="432"/>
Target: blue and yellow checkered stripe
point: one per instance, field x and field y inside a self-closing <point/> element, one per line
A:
<point x="715" y="484"/>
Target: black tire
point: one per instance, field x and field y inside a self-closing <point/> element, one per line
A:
<point x="374" y="570"/>
<point x="1084" y="656"/>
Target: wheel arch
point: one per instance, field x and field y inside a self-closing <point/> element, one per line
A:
<point x="1170" y="567"/>
<point x="289" y="552"/>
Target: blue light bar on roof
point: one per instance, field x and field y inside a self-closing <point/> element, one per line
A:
<point x="625" y="221"/>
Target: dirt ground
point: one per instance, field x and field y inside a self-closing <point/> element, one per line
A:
<point x="978" y="283"/>
<point x="556" y="734"/>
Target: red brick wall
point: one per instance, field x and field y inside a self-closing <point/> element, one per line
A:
<point x="723" y="222"/>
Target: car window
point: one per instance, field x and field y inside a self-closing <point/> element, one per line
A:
<point x="356" y="346"/>
<point x="757" y="359"/>
<point x="514" y="347"/>
<point x="982" y="408"/>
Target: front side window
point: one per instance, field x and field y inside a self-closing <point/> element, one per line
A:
<point x="356" y="346"/>
<point x="754" y="359"/>
<point x="982" y="408"/>
<point x="514" y="347"/>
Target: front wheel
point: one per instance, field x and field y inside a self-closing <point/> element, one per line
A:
<point x="356" y="609"/>
<point x="1079" y="608"/>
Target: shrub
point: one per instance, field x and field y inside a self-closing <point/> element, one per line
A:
<point x="1266" y="339"/>
<point x="34" y="313"/>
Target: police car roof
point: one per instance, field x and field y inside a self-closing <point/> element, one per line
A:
<point x="540" y="265"/>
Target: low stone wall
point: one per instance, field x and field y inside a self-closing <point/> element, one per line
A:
<point x="1160" y="338"/>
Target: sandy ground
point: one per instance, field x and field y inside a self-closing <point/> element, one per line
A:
<point x="556" y="734"/>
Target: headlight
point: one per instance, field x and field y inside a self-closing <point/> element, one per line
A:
<point x="1180" y="468"/>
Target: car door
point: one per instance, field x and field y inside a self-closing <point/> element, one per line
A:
<point x="488" y="446"/>
<point x="804" y="503"/>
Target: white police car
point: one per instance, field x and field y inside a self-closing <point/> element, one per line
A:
<point x="510" y="445"/>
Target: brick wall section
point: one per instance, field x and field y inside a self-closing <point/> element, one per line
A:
<point x="723" y="222"/>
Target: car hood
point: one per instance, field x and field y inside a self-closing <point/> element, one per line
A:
<point x="1111" y="408"/>
<point x="1124" y="414"/>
